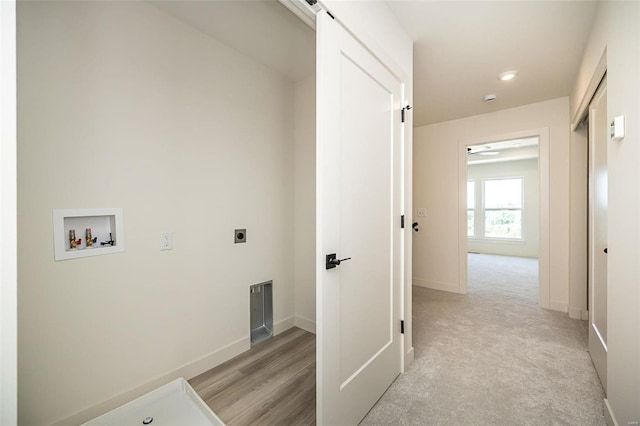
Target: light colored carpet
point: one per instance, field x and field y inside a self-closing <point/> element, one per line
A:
<point x="493" y="357"/>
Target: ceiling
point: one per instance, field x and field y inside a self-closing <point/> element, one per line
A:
<point x="460" y="47"/>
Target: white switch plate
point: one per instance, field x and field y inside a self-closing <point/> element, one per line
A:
<point x="166" y="240"/>
<point x="422" y="212"/>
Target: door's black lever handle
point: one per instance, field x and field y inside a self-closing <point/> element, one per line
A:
<point x="415" y="226"/>
<point x="606" y="250"/>
<point x="332" y="261"/>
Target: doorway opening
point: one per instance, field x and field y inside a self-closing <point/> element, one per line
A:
<point x="493" y="214"/>
<point x="502" y="192"/>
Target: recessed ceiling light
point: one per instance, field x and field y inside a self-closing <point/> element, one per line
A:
<point x="508" y="75"/>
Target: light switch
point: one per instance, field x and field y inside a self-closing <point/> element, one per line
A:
<point x="166" y="240"/>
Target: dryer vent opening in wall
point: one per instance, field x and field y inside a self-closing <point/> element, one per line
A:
<point x="261" y="305"/>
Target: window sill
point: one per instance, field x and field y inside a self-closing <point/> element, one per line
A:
<point x="507" y="241"/>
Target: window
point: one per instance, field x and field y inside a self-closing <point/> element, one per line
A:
<point x="471" y="205"/>
<point x="503" y="208"/>
<point x="497" y="211"/>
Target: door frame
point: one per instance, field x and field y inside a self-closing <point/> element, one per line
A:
<point x="8" y="215"/>
<point x="579" y="256"/>
<point x="544" y="289"/>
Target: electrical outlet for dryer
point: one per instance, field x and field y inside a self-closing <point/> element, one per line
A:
<point x="240" y="236"/>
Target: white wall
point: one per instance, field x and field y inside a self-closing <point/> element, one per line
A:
<point x="436" y="188"/>
<point x="121" y="105"/>
<point x="528" y="171"/>
<point x="305" y="204"/>
<point x="616" y="29"/>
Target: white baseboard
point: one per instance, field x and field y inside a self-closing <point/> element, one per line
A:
<point x="558" y="306"/>
<point x="283" y="325"/>
<point x="305" y="324"/>
<point x="608" y="414"/>
<point x="450" y="287"/>
<point x="578" y="314"/>
<point x="575" y="313"/>
<point x="409" y="357"/>
<point x="187" y="371"/>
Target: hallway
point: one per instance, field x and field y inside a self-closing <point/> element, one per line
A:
<point x="493" y="357"/>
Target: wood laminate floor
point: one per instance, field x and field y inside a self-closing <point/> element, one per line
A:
<point x="273" y="383"/>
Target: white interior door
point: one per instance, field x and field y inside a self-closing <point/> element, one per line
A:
<point x="598" y="231"/>
<point x="358" y="217"/>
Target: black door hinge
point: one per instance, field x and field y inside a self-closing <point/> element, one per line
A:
<point x="407" y="108"/>
<point x="402" y="221"/>
<point x="402" y="326"/>
<point x="329" y="13"/>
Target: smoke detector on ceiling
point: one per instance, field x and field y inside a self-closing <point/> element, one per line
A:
<point x="489" y="98"/>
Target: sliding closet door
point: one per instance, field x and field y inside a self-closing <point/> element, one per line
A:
<point x="598" y="204"/>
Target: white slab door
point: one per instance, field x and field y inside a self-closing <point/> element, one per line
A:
<point x="358" y="217"/>
<point x="598" y="203"/>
